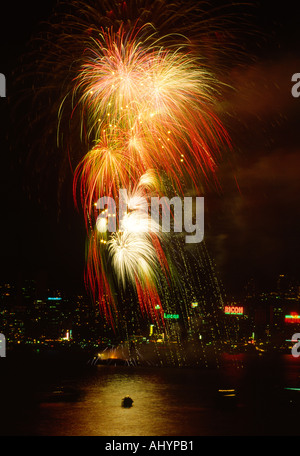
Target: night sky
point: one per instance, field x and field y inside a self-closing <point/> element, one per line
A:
<point x="252" y="225"/>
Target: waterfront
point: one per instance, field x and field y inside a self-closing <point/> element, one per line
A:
<point x="167" y="401"/>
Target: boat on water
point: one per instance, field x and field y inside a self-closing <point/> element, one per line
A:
<point x="58" y="394"/>
<point x="127" y="402"/>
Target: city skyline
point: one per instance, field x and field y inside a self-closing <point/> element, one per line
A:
<point x="260" y="320"/>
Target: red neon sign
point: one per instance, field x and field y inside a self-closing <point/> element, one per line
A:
<point x="234" y="310"/>
<point x="292" y="318"/>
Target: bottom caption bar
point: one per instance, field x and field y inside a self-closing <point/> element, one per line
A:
<point x="134" y="445"/>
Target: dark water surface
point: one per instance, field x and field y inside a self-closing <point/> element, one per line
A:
<point x="167" y="401"/>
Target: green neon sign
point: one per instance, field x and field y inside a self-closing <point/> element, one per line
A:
<point x="171" y="316"/>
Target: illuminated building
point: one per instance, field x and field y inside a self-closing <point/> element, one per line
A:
<point x="282" y="284"/>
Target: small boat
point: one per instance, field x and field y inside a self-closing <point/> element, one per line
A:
<point x="127" y="402"/>
<point x="227" y="398"/>
<point x="58" y="394"/>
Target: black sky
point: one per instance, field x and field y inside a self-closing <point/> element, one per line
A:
<point x="252" y="227"/>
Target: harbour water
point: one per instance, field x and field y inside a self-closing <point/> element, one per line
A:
<point x="262" y="400"/>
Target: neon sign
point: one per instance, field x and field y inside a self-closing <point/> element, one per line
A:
<point x="292" y="318"/>
<point x="234" y="310"/>
<point x="171" y="316"/>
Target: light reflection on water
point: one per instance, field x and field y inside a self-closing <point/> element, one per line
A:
<point x="161" y="406"/>
<point x="167" y="401"/>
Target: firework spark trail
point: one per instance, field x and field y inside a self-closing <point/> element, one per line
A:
<point x="134" y="255"/>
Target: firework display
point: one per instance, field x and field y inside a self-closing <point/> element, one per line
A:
<point x="148" y="111"/>
<point x="137" y="109"/>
